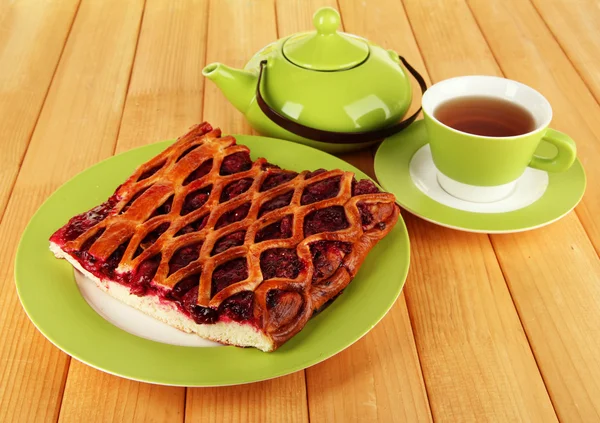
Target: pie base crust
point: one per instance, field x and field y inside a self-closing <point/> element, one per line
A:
<point x="225" y="332"/>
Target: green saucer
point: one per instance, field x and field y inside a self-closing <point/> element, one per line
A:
<point x="404" y="167"/>
<point x="52" y="300"/>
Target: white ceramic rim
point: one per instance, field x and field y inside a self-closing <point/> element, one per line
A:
<point x="488" y="86"/>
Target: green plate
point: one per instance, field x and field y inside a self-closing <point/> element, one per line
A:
<point x="49" y="294"/>
<point x="392" y="167"/>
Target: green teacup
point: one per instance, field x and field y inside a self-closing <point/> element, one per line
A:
<point x="486" y="168"/>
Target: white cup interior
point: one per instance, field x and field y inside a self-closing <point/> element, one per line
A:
<point x="488" y="86"/>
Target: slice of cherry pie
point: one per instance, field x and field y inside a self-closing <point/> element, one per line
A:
<point x="236" y="251"/>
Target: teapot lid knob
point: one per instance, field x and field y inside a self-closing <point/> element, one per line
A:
<point x="325" y="49"/>
<point x="326" y="20"/>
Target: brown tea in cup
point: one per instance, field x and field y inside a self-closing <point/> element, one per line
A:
<point x="485" y="116"/>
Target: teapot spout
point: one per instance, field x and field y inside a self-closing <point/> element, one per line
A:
<point x="239" y="86"/>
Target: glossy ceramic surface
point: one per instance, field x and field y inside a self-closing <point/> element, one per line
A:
<point x="537" y="200"/>
<point x="489" y="161"/>
<point x="325" y="49"/>
<point x="328" y="83"/>
<point x="52" y="300"/>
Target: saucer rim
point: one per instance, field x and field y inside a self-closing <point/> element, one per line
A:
<point x="407" y="142"/>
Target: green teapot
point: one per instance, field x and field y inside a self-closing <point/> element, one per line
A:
<point x="330" y="90"/>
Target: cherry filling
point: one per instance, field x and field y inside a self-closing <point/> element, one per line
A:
<point x="198" y="313"/>
<point x="112" y="262"/>
<point x="279" y="230"/>
<point x="327" y="257"/>
<point x="370" y="213"/>
<point x="236" y="188"/>
<point x="235" y="163"/>
<point x="268" y="165"/>
<point x="238" y="307"/>
<point x="231" y="240"/>
<point x="140" y="282"/>
<point x="90" y="241"/>
<point x="195" y="226"/>
<point x="132" y="199"/>
<point x="363" y="186"/>
<point x="182" y="287"/>
<point x="184" y="256"/>
<point x="366" y="217"/>
<point x="325" y="220"/>
<point x="314" y="173"/>
<point x="204" y="168"/>
<point x="151" y="238"/>
<point x="228" y="273"/>
<point x="188" y="151"/>
<point x="82" y="222"/>
<point x="195" y="199"/>
<point x="232" y="216"/>
<point x="148" y="173"/>
<point x="164" y="208"/>
<point x="321" y="190"/>
<point x="276" y="203"/>
<point x="280" y="263"/>
<point x="277" y="179"/>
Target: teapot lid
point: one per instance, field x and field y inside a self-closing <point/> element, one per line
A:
<point x="326" y="49"/>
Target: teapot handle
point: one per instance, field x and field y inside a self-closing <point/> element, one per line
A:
<point x="331" y="136"/>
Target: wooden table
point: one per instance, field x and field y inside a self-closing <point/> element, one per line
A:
<point x="489" y="328"/>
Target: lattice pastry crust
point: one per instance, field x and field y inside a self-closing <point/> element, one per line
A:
<point x="203" y="231"/>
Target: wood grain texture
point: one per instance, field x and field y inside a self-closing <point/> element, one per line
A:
<point x="163" y="100"/>
<point x="527" y="51"/>
<point x="556" y="315"/>
<point x="557" y="292"/>
<point x="77" y="127"/>
<point x="166" y="91"/>
<point x="26" y="70"/>
<point x="379" y="377"/>
<point x="281" y="400"/>
<point x="95" y="396"/>
<point x="237" y="29"/>
<point x="476" y="360"/>
<point x="575" y="26"/>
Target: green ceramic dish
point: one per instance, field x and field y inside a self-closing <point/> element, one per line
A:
<point x="324" y="79"/>
<point x="392" y="163"/>
<point x="50" y="296"/>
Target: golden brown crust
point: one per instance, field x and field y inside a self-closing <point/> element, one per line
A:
<point x="284" y="321"/>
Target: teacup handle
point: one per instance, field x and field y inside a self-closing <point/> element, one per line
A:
<point x="567" y="152"/>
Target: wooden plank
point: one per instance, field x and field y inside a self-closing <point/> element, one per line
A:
<point x="475" y="358"/>
<point x="26" y="69"/>
<point x="77" y="127"/>
<point x="476" y="361"/>
<point x="281" y="400"/>
<point x="554" y="273"/>
<point x="165" y="95"/>
<point x="163" y="100"/>
<point x="574" y="24"/>
<point x="557" y="292"/>
<point x="95" y="396"/>
<point x="542" y="64"/>
<point x="237" y="29"/>
<point x="378" y="379"/>
<point x="384" y="382"/>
